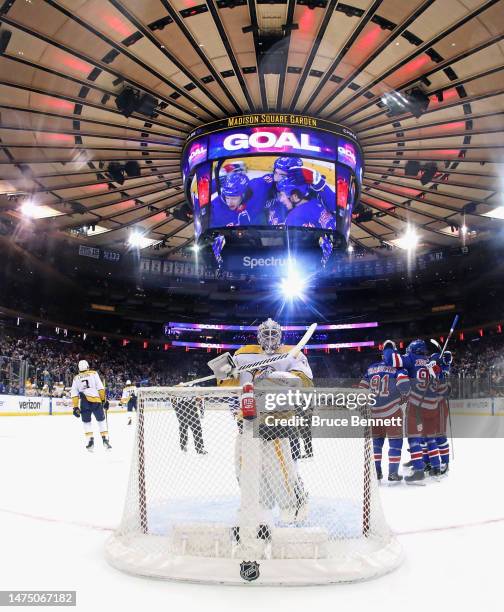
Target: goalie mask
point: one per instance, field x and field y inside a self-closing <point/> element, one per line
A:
<point x="269" y="336"/>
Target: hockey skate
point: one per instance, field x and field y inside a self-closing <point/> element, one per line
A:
<point x="90" y="444"/>
<point x="379" y="473"/>
<point x="435" y="472"/>
<point x="263" y="533"/>
<point x="415" y="478"/>
<point x="106" y="444"/>
<point x="444" y="469"/>
<point x="395" y="477"/>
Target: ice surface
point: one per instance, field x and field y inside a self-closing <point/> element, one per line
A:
<point x="58" y="504"/>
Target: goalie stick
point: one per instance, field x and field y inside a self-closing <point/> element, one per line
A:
<point x="294" y="352"/>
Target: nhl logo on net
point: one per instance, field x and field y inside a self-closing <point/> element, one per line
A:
<point x="249" y="570"/>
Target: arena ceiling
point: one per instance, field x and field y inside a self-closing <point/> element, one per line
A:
<point x="68" y="60"/>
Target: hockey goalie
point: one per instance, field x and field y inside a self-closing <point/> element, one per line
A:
<point x="265" y="468"/>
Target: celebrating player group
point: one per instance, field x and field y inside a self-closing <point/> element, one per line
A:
<point x="419" y="383"/>
<point x="292" y="195"/>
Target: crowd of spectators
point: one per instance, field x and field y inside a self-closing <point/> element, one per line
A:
<point x="478" y="368"/>
<point x="45" y="364"/>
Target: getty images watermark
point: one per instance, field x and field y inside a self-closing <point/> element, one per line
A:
<point x="323" y="410"/>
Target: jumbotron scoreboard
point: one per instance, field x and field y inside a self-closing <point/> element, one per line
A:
<point x="276" y="172"/>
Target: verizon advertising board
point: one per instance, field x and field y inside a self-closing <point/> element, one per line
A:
<point x="20" y="405"/>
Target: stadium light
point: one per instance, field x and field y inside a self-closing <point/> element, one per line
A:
<point x="464" y="229"/>
<point x="292" y="285"/>
<point x="350" y="248"/>
<point x="29" y="209"/>
<point x="195" y="247"/>
<point x="136" y="239"/>
<point x="409" y="241"/>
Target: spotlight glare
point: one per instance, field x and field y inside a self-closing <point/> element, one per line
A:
<point x="409" y="241"/>
<point x="464" y="229"/>
<point x="135" y="239"/>
<point x="292" y="285"/>
<point x="28" y="209"/>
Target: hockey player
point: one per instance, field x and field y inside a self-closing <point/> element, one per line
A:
<point x="230" y="208"/>
<point x="265" y="188"/>
<point x="422" y="411"/>
<point x="303" y="209"/>
<point x="129" y="399"/>
<point x="443" y="389"/>
<point x="59" y="389"/>
<point x="390" y="386"/>
<point x="280" y="483"/>
<point x="88" y="398"/>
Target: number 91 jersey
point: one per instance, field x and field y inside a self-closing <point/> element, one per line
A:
<point x="388" y="384"/>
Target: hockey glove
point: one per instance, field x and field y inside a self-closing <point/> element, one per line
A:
<point x="106" y="405"/>
<point x="222" y="366"/>
<point x="314" y="178"/>
<point x="434" y="369"/>
<point x="76" y="412"/>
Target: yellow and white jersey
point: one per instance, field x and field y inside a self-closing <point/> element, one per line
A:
<point x="89" y="383"/>
<point x="58" y="390"/>
<point x="298" y="366"/>
<point x="128" y="391"/>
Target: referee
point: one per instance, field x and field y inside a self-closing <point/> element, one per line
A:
<point x="187" y="410"/>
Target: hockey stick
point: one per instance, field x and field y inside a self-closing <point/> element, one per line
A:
<point x="418" y="419"/>
<point x="261" y="363"/>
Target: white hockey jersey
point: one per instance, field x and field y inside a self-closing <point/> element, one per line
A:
<point x="89" y="383"/>
<point x="298" y="366"/>
<point x="128" y="391"/>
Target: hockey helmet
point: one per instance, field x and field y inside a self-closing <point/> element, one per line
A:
<point x="389" y="344"/>
<point x="417" y="347"/>
<point x="447" y="358"/>
<point x="269" y="335"/>
<point x="289" y="186"/>
<point x="128" y="382"/>
<point x="287" y="164"/>
<point x="233" y="185"/>
<point x="83" y="365"/>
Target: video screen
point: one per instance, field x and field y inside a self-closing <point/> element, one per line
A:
<point x="270" y="190"/>
<point x="271" y="176"/>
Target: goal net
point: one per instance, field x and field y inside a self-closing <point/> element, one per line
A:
<point x="216" y="498"/>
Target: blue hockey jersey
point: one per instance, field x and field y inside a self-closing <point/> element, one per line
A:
<point x="223" y="216"/>
<point x="388" y="384"/>
<point x="310" y="214"/>
<point x="426" y="390"/>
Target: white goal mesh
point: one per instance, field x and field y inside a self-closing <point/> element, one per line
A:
<point x="214" y="498"/>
